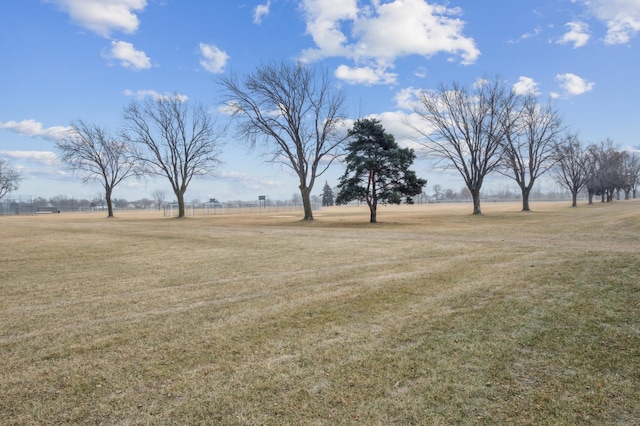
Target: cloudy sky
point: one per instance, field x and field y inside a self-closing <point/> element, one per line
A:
<point x="64" y="60"/>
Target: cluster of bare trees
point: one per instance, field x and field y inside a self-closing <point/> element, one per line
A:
<point x="162" y="137"/>
<point x="491" y="128"/>
<point x="291" y="108"/>
<point x="601" y="169"/>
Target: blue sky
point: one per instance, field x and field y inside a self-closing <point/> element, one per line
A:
<point x="64" y="60"/>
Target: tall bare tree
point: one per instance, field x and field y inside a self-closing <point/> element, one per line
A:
<point x="529" y="146"/>
<point x="174" y="141"/>
<point x="571" y="166"/>
<point x="91" y="151"/>
<point x="9" y="178"/>
<point x="294" y="110"/>
<point x="465" y="130"/>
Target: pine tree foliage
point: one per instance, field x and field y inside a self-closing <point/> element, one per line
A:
<point x="377" y="169"/>
<point x="327" y="195"/>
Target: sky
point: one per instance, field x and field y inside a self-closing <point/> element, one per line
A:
<point x="64" y="60"/>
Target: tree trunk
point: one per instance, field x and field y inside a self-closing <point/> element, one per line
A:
<point x="574" y="199"/>
<point x="525" y="199"/>
<point x="107" y="196"/>
<point x="180" y="196"/>
<point x="306" y="202"/>
<point x="476" y="202"/>
<point x="373" y="209"/>
<point x="590" y="193"/>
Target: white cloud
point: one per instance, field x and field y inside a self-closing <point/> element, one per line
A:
<point x="324" y="25"/>
<point x="526" y="85"/>
<point x="150" y="93"/>
<point x="382" y="32"/>
<point x="42" y="157"/>
<point x="261" y="11"/>
<point x="128" y="56"/>
<point x="213" y="59"/>
<point x="578" y="34"/>
<point x="104" y="16"/>
<point x="421" y="72"/>
<point x="365" y="75"/>
<point x="573" y="84"/>
<point x="408" y="98"/>
<point x="401" y="126"/>
<point x="622" y="18"/>
<point x="33" y="128"/>
<point x="536" y="32"/>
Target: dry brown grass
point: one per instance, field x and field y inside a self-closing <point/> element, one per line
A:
<point x="431" y="316"/>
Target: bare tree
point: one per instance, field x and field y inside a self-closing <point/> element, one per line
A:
<point x="158" y="197"/>
<point x="604" y="170"/>
<point x="173" y="141"/>
<point x="528" y="147"/>
<point x="293" y="109"/>
<point x="9" y="178"/>
<point x="631" y="173"/>
<point x="466" y="129"/>
<point x="571" y="166"/>
<point x="437" y="191"/>
<point x="91" y="151"/>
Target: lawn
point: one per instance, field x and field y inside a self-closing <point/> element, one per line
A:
<point x="432" y="316"/>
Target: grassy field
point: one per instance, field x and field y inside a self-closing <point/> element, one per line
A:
<point x="432" y="316"/>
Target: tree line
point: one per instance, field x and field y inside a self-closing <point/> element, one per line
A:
<point x="295" y="114"/>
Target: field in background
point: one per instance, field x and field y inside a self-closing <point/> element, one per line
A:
<point x="431" y="316"/>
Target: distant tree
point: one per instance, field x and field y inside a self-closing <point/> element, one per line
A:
<point x="449" y="194"/>
<point x="296" y="199"/>
<point x="120" y="203"/>
<point x="437" y="191"/>
<point x="91" y="151"/>
<point x="377" y="169"/>
<point x="327" y="195"/>
<point x="465" y="193"/>
<point x="466" y="129"/>
<point x="528" y="145"/>
<point x="158" y="197"/>
<point x="174" y="141"/>
<point x="9" y="178"/>
<point x="570" y="168"/>
<point x="294" y="110"/>
<point x="631" y="173"/>
<point x="604" y="170"/>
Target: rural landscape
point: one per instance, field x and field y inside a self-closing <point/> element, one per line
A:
<point x="320" y="212"/>
<point x="430" y="316"/>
